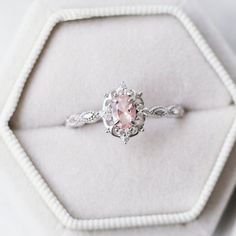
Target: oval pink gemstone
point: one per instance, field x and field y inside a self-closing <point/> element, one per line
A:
<point x="123" y="111"/>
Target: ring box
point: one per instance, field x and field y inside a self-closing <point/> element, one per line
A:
<point x="165" y="181"/>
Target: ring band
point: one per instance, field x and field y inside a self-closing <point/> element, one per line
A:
<point x="123" y="113"/>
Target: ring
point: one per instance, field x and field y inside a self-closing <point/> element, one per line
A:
<point x="123" y="113"/>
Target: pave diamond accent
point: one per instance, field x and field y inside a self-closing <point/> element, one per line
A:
<point x="168" y="111"/>
<point x="80" y="119"/>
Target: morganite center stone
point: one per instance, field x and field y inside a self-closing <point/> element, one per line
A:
<point x="123" y="111"/>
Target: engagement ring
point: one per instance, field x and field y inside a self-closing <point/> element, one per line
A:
<point x="123" y="113"/>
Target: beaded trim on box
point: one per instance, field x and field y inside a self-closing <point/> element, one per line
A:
<point x="34" y="176"/>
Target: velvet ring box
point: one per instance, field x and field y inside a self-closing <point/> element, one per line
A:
<point x="67" y="55"/>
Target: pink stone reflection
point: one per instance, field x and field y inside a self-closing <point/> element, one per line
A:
<point x="123" y="111"/>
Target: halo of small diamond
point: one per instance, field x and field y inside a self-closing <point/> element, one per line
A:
<point x="112" y="126"/>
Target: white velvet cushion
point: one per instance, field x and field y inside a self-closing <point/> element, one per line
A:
<point x="165" y="174"/>
<point x="155" y="54"/>
<point x="161" y="171"/>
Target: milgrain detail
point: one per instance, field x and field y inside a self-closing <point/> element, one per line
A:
<point x="89" y="117"/>
<point x="34" y="176"/>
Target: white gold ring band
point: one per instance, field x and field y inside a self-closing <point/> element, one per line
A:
<point x="123" y="113"/>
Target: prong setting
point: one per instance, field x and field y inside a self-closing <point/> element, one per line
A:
<point x="139" y="94"/>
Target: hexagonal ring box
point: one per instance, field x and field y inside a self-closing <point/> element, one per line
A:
<point x="67" y="55"/>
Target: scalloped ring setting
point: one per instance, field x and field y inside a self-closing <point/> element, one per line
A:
<point x="123" y="113"/>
